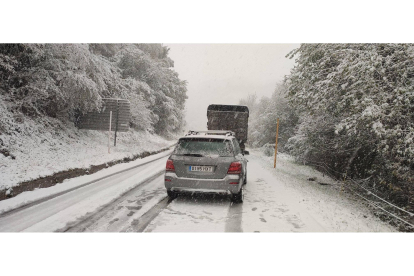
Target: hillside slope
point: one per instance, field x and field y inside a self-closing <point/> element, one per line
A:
<point x="46" y="88"/>
<point x="37" y="147"/>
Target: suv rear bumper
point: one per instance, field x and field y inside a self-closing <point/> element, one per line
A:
<point x="203" y="185"/>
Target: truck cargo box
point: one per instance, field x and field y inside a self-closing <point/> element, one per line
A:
<point x="229" y="117"/>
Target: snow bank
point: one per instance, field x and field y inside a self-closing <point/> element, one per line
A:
<point x="38" y="194"/>
<point x="44" y="146"/>
<point x="302" y="197"/>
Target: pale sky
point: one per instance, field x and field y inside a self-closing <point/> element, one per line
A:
<point x="225" y="73"/>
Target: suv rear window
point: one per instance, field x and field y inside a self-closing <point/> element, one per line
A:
<point x="203" y="147"/>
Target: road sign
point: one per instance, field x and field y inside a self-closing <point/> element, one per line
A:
<point x="114" y="115"/>
<point x="121" y="115"/>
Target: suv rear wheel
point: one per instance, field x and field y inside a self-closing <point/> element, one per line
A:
<point x="238" y="198"/>
<point x="171" y="194"/>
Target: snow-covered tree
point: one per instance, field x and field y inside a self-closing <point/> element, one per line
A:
<point x="356" y="104"/>
<point x="264" y="115"/>
<point x="72" y="79"/>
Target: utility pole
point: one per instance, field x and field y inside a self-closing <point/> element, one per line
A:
<point x="277" y="134"/>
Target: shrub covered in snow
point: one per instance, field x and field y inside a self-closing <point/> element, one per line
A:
<point x="268" y="149"/>
<point x="356" y="106"/>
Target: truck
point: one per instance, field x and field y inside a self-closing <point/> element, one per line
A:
<point x="229" y="117"/>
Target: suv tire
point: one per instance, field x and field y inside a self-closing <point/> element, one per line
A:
<point x="171" y="194"/>
<point x="238" y="198"/>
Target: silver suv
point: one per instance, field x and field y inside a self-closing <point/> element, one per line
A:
<point x="207" y="161"/>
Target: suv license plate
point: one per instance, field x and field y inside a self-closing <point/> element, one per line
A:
<point x="201" y="168"/>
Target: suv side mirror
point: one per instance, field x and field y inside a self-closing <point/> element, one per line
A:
<point x="246" y="152"/>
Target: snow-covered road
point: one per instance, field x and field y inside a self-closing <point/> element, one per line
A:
<point x="78" y="198"/>
<point x="276" y="200"/>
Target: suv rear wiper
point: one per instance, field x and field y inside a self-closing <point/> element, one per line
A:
<point x="193" y="154"/>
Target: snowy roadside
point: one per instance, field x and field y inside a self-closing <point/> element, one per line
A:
<point x="38" y="194"/>
<point x="35" y="158"/>
<point x="74" y="207"/>
<point x="33" y="148"/>
<point x="316" y="205"/>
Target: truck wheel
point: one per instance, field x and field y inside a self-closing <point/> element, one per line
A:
<point x="242" y="147"/>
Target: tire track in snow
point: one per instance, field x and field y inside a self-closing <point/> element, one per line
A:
<point x="56" y="213"/>
<point x="86" y="222"/>
<point x="42" y="200"/>
<point x="140" y="224"/>
<point x="234" y="218"/>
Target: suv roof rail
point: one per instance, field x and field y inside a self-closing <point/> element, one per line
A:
<point x="211" y="132"/>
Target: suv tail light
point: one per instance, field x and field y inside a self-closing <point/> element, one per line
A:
<point x="235" y="168"/>
<point x="170" y="166"/>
